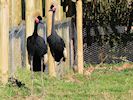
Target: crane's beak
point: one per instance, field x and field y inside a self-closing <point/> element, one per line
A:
<point x="50" y="10"/>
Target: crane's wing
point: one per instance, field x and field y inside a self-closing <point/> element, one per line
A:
<point x="41" y="47"/>
<point x="63" y="42"/>
<point x="30" y="46"/>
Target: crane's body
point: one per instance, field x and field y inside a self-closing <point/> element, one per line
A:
<point x="56" y="43"/>
<point x="37" y="48"/>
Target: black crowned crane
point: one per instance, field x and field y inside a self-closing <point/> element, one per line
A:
<point x="56" y="43"/>
<point x="37" y="48"/>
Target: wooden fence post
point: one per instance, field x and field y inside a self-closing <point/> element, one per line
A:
<point x="30" y="9"/>
<point x="66" y="37"/>
<point x="59" y="16"/>
<point x="51" y="63"/>
<point x="15" y="12"/>
<point x="15" y="19"/>
<point x="4" y="39"/>
<point x="38" y="6"/>
<point x="79" y="36"/>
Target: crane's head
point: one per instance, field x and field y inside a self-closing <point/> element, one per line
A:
<point x="52" y="8"/>
<point x="38" y="20"/>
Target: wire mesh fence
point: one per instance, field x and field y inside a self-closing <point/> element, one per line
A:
<point x="95" y="53"/>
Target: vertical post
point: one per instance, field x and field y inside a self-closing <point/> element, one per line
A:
<point x="41" y="8"/>
<point x="15" y="12"/>
<point x="38" y="6"/>
<point x="4" y="39"/>
<point x="59" y="16"/>
<point x="59" y="13"/>
<point x="79" y="36"/>
<point x="60" y="69"/>
<point x="30" y="8"/>
<point x="14" y="21"/>
<point x="66" y="37"/>
<point x="51" y="63"/>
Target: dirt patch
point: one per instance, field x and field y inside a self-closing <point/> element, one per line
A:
<point x="72" y="78"/>
<point x="123" y="67"/>
<point x="89" y="71"/>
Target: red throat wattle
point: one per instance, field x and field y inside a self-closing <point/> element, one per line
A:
<point x="54" y="8"/>
<point x="37" y="20"/>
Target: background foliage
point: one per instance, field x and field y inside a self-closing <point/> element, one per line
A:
<point x="105" y="13"/>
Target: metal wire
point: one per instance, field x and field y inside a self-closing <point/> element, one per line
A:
<point x="94" y="53"/>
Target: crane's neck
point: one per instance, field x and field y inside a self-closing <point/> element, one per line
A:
<point x="35" y="29"/>
<point x="53" y="26"/>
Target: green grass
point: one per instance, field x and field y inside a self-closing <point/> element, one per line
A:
<point x="101" y="85"/>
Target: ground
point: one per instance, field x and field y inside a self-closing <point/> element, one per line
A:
<point x="106" y="82"/>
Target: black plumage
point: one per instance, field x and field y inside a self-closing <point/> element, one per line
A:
<point x="36" y="47"/>
<point x="56" y="43"/>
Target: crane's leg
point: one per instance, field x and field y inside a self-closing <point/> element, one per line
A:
<point x="45" y="58"/>
<point x="42" y="62"/>
<point x="60" y="61"/>
<point x="59" y="67"/>
<point x="64" y="54"/>
<point x="32" y="76"/>
<point x="29" y="59"/>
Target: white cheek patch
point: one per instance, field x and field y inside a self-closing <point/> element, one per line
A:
<point x="45" y="58"/>
<point x="131" y="31"/>
<point x="65" y="52"/>
<point x="66" y="8"/>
